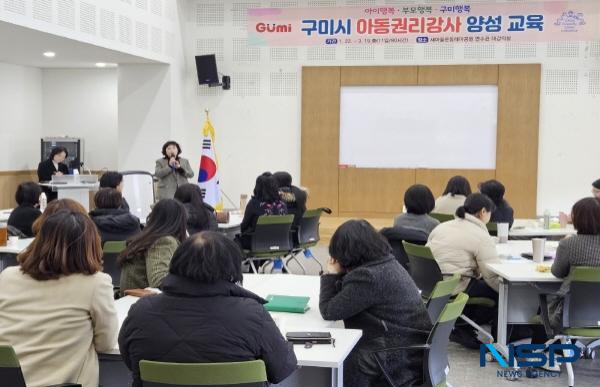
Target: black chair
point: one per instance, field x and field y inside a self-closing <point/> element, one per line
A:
<point x="306" y="235"/>
<point x="426" y="273"/>
<point x="271" y="239"/>
<point x="434" y="353"/>
<point x="10" y="370"/>
<point x="396" y="235"/>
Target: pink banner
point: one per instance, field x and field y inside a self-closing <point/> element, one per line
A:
<point x="427" y="24"/>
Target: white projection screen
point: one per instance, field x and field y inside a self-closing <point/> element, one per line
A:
<point x="442" y="127"/>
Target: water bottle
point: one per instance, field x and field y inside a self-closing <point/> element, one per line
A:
<point x="546" y="220"/>
<point x="43" y="202"/>
<point x="277" y="266"/>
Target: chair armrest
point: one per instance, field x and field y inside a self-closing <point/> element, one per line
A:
<point x="65" y="385"/>
<point x="545" y="315"/>
<point x="325" y="210"/>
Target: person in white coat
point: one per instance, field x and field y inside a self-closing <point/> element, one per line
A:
<point x="57" y="308"/>
<point x="464" y="246"/>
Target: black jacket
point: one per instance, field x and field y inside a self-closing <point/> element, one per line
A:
<point x="193" y="322"/>
<point x="23" y="217"/>
<point x="196" y="221"/>
<point x="381" y="299"/>
<point x="503" y="214"/>
<point x="115" y="224"/>
<point x="45" y="171"/>
<point x="295" y="200"/>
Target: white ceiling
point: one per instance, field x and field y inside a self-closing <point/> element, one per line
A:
<point x="25" y="46"/>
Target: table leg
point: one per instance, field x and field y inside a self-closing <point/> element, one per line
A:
<point x="502" y="313"/>
<point x="337" y="376"/>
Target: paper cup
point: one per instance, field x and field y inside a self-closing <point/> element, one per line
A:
<point x="538" y="245"/>
<point x="502" y="232"/>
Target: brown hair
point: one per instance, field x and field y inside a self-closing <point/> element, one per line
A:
<point x="586" y="216"/>
<point x="108" y="198"/>
<point x="68" y="243"/>
<point x="53" y="207"/>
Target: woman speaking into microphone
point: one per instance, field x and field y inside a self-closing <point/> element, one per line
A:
<point x="171" y="170"/>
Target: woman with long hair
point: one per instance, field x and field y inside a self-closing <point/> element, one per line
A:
<point x="145" y="261"/>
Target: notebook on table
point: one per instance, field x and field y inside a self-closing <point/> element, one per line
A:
<point x="290" y="304"/>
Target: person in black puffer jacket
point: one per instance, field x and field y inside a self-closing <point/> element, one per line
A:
<point x="203" y="316"/>
<point x="368" y="289"/>
<point x="113" y="222"/>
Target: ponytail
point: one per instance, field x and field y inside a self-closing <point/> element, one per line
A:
<point x="460" y="212"/>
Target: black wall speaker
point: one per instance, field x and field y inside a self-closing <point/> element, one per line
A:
<point x="206" y="67"/>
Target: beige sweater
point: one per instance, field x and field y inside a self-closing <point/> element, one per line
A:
<point x="464" y="246"/>
<point x="448" y="204"/>
<point x="57" y="326"/>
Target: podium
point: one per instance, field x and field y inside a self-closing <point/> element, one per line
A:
<point x="75" y="187"/>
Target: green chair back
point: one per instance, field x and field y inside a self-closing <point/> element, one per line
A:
<point x="441" y="217"/>
<point x="441" y="294"/>
<point x="424" y="269"/>
<point x="436" y="361"/>
<point x="114" y="247"/>
<point x="580" y="308"/>
<point x="10" y="369"/>
<point x="272" y="236"/>
<point x="111" y="251"/>
<point x="159" y="374"/>
<point x="492" y="228"/>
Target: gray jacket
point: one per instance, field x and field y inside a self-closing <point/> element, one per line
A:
<point x="380" y="298"/>
<point x="169" y="179"/>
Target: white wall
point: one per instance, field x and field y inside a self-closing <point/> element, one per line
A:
<point x="143" y="27"/>
<point x="83" y="103"/>
<point x="258" y="120"/>
<point x="144" y="115"/>
<point x="20" y="117"/>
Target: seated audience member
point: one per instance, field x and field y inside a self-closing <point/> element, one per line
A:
<point x="112" y="179"/>
<point x="264" y="201"/>
<point x="464" y="246"/>
<point x="582" y="249"/>
<point x="457" y="190"/>
<point x="57" y="309"/>
<point x="22" y="217"/>
<point x="200" y="216"/>
<point x="145" y="261"/>
<point x="53" y="166"/>
<point x="55" y="206"/>
<point x="113" y="221"/>
<point x="293" y="197"/>
<point x="596" y="189"/>
<point x="419" y="202"/>
<point x="368" y="289"/>
<point x="503" y="213"/>
<point x="202" y="308"/>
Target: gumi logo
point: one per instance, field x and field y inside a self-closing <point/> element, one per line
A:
<point x="531" y="355"/>
<point x="272" y="27"/>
